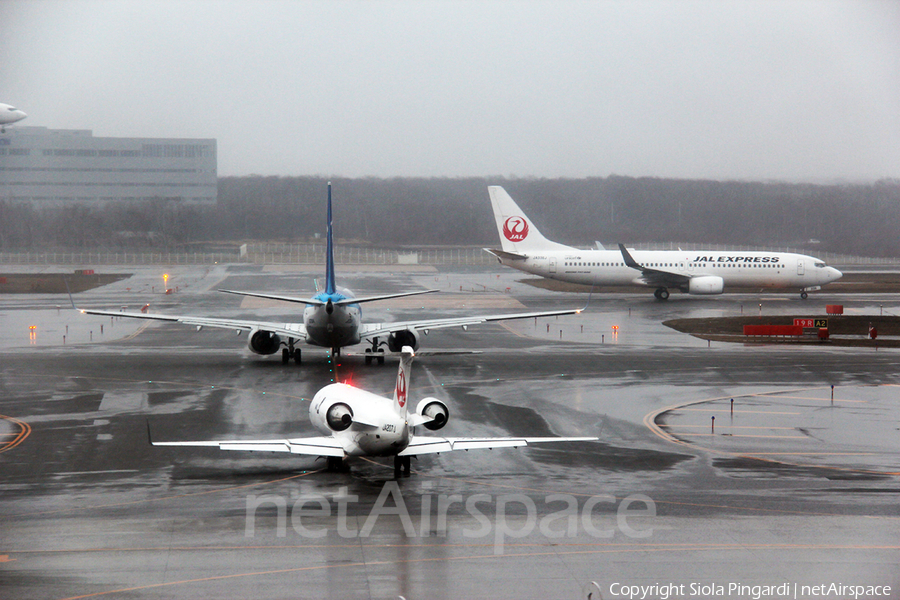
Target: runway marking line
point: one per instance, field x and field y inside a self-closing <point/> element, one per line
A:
<point x="136" y="332"/>
<point x="657" y="429"/>
<point x="746" y="412"/>
<point x="706" y="426"/>
<point x="739" y="435"/>
<point x="815" y="453"/>
<point x="24" y="432"/>
<point x="519" y="555"/>
<point x="808" y="398"/>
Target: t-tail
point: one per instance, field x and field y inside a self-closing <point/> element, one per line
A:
<point x="330" y="287"/>
<point x="518" y="235"/>
<point x="402" y="388"/>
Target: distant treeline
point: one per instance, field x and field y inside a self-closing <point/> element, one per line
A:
<point x="861" y="219"/>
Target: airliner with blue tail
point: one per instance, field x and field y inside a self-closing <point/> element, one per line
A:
<point x="331" y="319"/>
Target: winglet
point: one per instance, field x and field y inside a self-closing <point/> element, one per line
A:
<point x="149" y="436"/>
<point x="629" y="260"/>
<point x="72" y="300"/>
<point x="588" y="303"/>
<point x="329" y="250"/>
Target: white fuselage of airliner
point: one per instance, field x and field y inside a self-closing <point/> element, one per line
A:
<point x="737" y="269"/>
<point x="10" y="114"/>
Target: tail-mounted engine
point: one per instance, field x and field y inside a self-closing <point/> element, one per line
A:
<point x="436" y="410"/>
<point x="339" y="416"/>
<point x="263" y="342"/>
<point x="398" y="339"/>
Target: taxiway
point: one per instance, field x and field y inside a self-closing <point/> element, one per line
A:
<point x="790" y="487"/>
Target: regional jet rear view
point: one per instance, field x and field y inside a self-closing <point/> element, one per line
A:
<point x="355" y="422"/>
<point x="693" y="272"/>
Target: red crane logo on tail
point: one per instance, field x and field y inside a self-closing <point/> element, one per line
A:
<point x="515" y="229"/>
<point x="401" y="389"/>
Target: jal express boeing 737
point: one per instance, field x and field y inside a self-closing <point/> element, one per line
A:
<point x="693" y="272"/>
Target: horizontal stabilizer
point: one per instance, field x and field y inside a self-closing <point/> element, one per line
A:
<point x="318" y="301"/>
<point x="432" y="445"/>
<point x="505" y="254"/>
<point x="314" y="446"/>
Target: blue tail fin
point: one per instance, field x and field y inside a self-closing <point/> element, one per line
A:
<point x="329" y="250"/>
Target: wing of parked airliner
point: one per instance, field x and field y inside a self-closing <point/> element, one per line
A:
<point x="368" y="331"/>
<point x="654" y="276"/>
<point x="297" y="331"/>
<point x="292" y="330"/>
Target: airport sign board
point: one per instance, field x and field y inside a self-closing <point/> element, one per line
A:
<point x="811" y="323"/>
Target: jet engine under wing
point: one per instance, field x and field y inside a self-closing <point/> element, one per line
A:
<point x="432" y="445"/>
<point x="654" y="277"/>
<point x="293" y="330"/>
<point x="312" y="446"/>
<point x="371" y="330"/>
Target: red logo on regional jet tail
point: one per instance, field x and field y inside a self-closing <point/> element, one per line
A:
<point x="401" y="389"/>
<point x="515" y="229"/>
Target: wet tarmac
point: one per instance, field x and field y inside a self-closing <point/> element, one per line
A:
<point x="789" y="488"/>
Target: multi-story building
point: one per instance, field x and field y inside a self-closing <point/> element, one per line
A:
<point x="62" y="167"/>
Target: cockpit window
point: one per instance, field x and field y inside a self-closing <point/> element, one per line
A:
<point x="12" y="109"/>
<point x="820" y="265"/>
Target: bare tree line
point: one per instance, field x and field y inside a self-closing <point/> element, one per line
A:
<point x="861" y="219"/>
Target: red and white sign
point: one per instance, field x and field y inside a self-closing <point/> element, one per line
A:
<point x="515" y="229"/>
<point x="401" y="389"/>
<point x="804" y="322"/>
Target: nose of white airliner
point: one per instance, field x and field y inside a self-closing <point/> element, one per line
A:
<point x="834" y="274"/>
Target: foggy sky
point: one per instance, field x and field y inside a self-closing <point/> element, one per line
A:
<point x="783" y="89"/>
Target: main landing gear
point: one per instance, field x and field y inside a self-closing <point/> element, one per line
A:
<point x="804" y="295"/>
<point x="335" y="464"/>
<point x="290" y="352"/>
<point x="375" y="353"/>
<point x="661" y="293"/>
<point x="401" y="466"/>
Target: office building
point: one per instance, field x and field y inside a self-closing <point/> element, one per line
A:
<point x="61" y="167"/>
